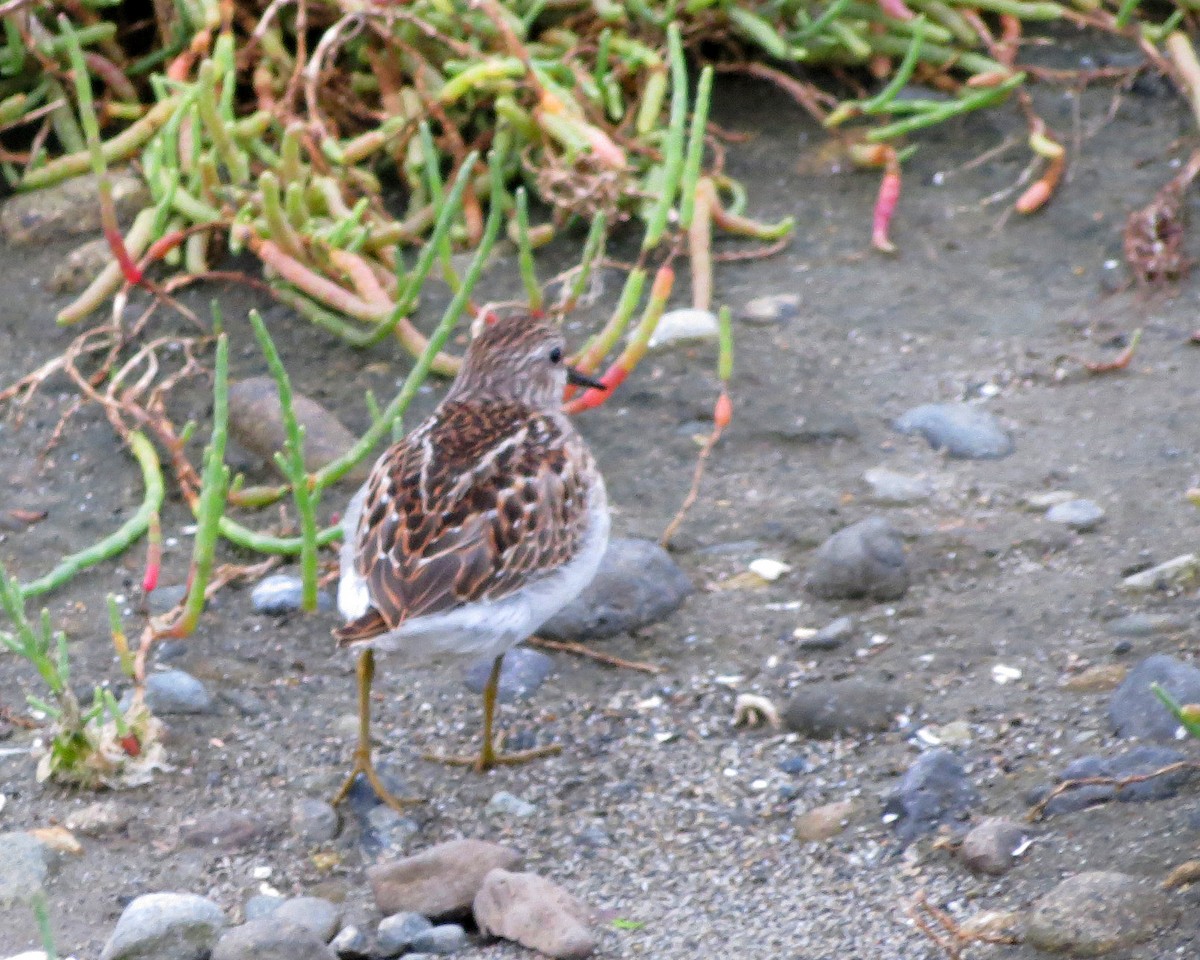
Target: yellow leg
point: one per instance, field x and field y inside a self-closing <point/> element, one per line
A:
<point x="489" y="756"/>
<point x="362" y="752"/>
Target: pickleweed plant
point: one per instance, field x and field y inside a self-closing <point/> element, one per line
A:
<point x="106" y="744"/>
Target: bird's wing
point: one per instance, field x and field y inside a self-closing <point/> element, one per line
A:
<point x="464" y="510"/>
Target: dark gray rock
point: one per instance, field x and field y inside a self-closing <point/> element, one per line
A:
<point x="637" y="584"/>
<point x="866" y="559"/>
<point x="269" y="938"/>
<point x="282" y="593"/>
<point x="314" y="821"/>
<point x="1081" y="515"/>
<point x="934" y="790"/>
<point x="1135" y="711"/>
<point x="164" y="599"/>
<point x="388" y="830"/>
<point x="521" y="673"/>
<point x="441" y="940"/>
<point x="23" y="866"/>
<point x="990" y="847"/>
<point x="1091" y="914"/>
<point x="179" y="926"/>
<point x="397" y="933"/>
<point x="174" y="691"/>
<point x="1132" y="763"/>
<point x="834" y="707"/>
<point x="829" y="637"/>
<point x="963" y="431"/>
<point x="245" y="702"/>
<point x="315" y="914"/>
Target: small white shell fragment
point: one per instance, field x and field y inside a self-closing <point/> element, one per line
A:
<point x="730" y="680"/>
<point x="769" y="569"/>
<point x="805" y="633"/>
<point x="928" y="737"/>
<point x="753" y="710"/>
<point x="261" y="873"/>
<point x="1003" y="674"/>
<point x="677" y="326"/>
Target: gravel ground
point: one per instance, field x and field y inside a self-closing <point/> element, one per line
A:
<point x="659" y="811"/>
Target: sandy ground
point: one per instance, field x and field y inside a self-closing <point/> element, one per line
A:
<point x="659" y="811"/>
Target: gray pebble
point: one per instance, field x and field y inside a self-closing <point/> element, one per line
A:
<point x="1132" y="763"/>
<point x="991" y="846"/>
<point x="225" y="830"/>
<point x="1091" y="914"/>
<point x="245" y="702"/>
<point x="963" y="431"/>
<point x="1135" y="711"/>
<point x="181" y="926"/>
<point x="771" y="309"/>
<point x="889" y="487"/>
<point x="256" y="422"/>
<point x="397" y="933"/>
<point x="262" y="904"/>
<point x="175" y="691"/>
<point x="594" y="837"/>
<point x="442" y="939"/>
<point x="866" y="559"/>
<point x="314" y="820"/>
<point x="505" y="804"/>
<point x="269" y="938"/>
<point x="521" y="673"/>
<point x="282" y="593"/>
<point x="933" y="791"/>
<point x="23" y="867"/>
<point x="389" y="830"/>
<point x="1081" y="515"/>
<point x="163" y="599"/>
<point x="351" y="944"/>
<point x="830" y="636"/>
<point x="1141" y="624"/>
<point x="834" y="707"/>
<point x="637" y="584"/>
<point x="313" y="913"/>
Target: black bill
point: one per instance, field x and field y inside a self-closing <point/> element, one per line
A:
<point x="575" y="378"/>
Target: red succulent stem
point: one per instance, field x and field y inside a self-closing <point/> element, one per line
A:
<point x="153" y="554"/>
<point x="885" y="206"/>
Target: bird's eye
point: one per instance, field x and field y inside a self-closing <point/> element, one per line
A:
<point x="556" y="355"/>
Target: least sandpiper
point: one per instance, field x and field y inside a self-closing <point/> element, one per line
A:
<point x="477" y="527"/>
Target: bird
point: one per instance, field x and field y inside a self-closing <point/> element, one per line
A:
<point x="475" y="528"/>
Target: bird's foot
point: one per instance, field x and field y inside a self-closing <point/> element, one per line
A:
<point x="364" y="766"/>
<point x="486" y="759"/>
